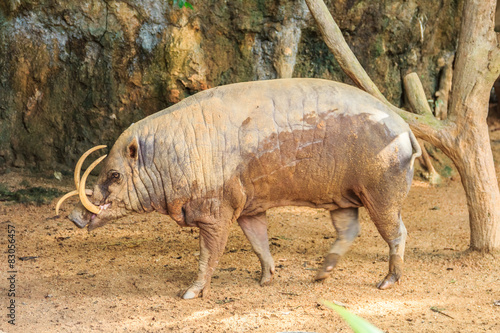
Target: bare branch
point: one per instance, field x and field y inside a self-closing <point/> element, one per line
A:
<point x="343" y="54"/>
<point x="443" y="94"/>
<point x="424" y="126"/>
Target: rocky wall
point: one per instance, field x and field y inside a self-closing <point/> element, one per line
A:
<point x="74" y="74"/>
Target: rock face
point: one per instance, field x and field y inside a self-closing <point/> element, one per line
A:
<point x="77" y="73"/>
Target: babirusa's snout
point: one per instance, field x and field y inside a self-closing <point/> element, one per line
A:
<point x="78" y="218"/>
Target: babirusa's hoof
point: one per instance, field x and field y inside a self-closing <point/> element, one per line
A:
<point x="331" y="260"/>
<point x="189" y="295"/>
<point x="395" y="272"/>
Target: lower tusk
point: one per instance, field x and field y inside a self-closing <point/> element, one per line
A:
<point x="104" y="207"/>
<point x="69" y="195"/>
<point x="81" y="192"/>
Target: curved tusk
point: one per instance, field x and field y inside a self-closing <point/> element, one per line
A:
<point x="81" y="190"/>
<point x="78" y="168"/>
<point x="79" y="164"/>
<point x="69" y="195"/>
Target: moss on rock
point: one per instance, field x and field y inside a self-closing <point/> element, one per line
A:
<point x="77" y="74"/>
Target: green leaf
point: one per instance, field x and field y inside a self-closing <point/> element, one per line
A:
<point x="182" y="4"/>
<point x="358" y="324"/>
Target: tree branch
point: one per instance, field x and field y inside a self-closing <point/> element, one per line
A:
<point x="342" y="52"/>
<point x="416" y="95"/>
<point x="425" y="126"/>
<point x="443" y="94"/>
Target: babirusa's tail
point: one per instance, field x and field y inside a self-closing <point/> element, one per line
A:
<point x="416" y="147"/>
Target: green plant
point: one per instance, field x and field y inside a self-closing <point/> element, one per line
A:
<point x="182" y="4"/>
<point x="358" y="324"/>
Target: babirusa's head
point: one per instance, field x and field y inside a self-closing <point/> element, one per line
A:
<point x="109" y="198"/>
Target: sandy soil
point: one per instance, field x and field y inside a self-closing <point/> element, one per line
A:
<point x="127" y="276"/>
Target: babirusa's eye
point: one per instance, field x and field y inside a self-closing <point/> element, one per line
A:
<point x="114" y="175"/>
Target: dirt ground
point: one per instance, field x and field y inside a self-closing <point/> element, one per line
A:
<point x="127" y="275"/>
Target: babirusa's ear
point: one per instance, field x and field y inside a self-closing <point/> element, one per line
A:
<point x="133" y="150"/>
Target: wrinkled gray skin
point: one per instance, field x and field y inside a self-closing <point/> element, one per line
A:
<point x="230" y="153"/>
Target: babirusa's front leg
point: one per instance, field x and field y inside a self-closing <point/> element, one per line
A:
<point x="213" y="238"/>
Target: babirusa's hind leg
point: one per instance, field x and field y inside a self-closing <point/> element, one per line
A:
<point x="255" y="228"/>
<point x="346" y="223"/>
<point x="391" y="228"/>
<point x="397" y="242"/>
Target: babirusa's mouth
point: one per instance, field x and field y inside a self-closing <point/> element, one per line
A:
<point x="101" y="209"/>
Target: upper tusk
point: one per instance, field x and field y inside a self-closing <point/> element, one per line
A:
<point x="68" y="195"/>
<point x="77" y="178"/>
<point x="79" y="164"/>
<point x="81" y="190"/>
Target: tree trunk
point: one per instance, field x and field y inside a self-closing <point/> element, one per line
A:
<point x="469" y="148"/>
<point x="474" y="161"/>
<point x="464" y="135"/>
<point x="476" y="69"/>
